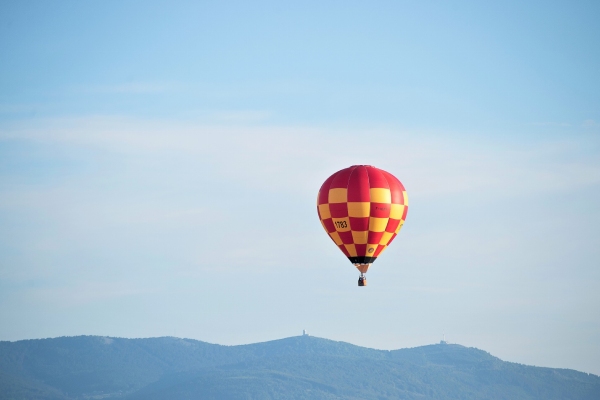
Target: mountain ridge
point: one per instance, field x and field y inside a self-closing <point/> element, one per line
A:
<point x="86" y="367"/>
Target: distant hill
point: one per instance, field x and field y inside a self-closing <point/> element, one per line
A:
<point x="303" y="367"/>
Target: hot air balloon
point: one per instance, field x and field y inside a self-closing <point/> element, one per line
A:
<point x="362" y="209"/>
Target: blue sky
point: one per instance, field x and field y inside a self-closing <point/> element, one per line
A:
<point x="159" y="165"/>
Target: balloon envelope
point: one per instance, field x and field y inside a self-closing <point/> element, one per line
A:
<point x="362" y="209"/>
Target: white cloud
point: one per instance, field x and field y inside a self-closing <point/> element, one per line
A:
<point x="562" y="124"/>
<point x="130" y="88"/>
<point x="293" y="158"/>
<point x="173" y="180"/>
<point x="590" y="123"/>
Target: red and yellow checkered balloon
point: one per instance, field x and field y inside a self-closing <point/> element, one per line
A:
<point x="362" y="208"/>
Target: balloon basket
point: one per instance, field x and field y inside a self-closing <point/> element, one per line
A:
<point x="362" y="281"/>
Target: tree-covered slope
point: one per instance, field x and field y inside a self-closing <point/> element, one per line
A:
<point x="294" y="368"/>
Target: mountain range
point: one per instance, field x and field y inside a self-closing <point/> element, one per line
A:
<point x="302" y="367"/>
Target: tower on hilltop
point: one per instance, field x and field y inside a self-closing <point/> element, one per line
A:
<point x="443" y="341"/>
